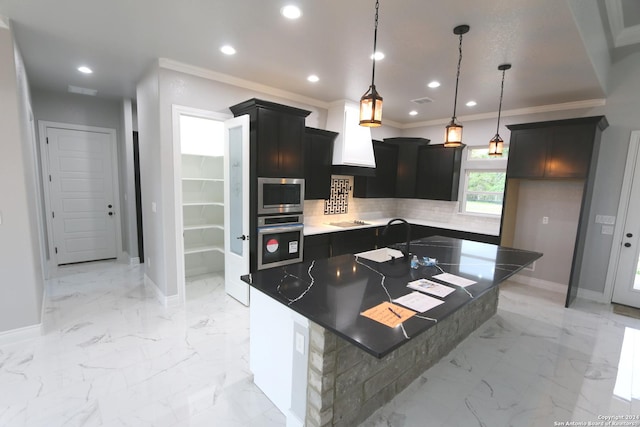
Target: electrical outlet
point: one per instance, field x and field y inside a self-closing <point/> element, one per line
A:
<point x="607" y="229"/>
<point x="148" y="262"/>
<point x="153" y="207"/>
<point x="299" y="343"/>
<point x="545" y="220"/>
<point x="0" y="217"/>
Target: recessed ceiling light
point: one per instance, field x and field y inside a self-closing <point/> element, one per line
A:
<point x="228" y="50"/>
<point x="291" y="11"/>
<point x="472" y="104"/>
<point x="377" y="56"/>
<point x="434" y="84"/>
<point x="313" y="78"/>
<point x="85" y="70"/>
<point x="413" y="113"/>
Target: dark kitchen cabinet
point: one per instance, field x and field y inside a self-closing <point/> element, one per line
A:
<point x="353" y="241"/>
<point x="554" y="150"/>
<point x="317" y="164"/>
<point x="438" y="174"/>
<point x="551" y="150"/>
<point x="317" y="246"/>
<point x="277" y="138"/>
<point x="383" y="184"/>
<point x="407" y="164"/>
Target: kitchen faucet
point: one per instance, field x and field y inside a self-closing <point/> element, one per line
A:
<point x="407" y="253"/>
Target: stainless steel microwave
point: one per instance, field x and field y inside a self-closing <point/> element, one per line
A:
<point x="280" y="195"/>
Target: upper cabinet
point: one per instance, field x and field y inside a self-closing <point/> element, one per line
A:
<point x="553" y="150"/>
<point x="277" y="137"/>
<point x="383" y="184"/>
<point x="317" y="164"/>
<point x="438" y="173"/>
<point x="407" y="169"/>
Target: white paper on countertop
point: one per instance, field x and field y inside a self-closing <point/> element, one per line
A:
<point x="454" y="280"/>
<point x="418" y="301"/>
<point x="430" y="287"/>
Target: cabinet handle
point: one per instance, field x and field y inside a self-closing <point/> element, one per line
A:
<point x="629" y="235"/>
<point x="627" y="245"/>
<point x="110" y="213"/>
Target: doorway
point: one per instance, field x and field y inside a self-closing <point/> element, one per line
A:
<point x="198" y="137"/>
<point x="625" y="253"/>
<point x="82" y="192"/>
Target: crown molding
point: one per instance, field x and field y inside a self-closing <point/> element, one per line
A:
<point x="622" y="36"/>
<point x="576" y="105"/>
<point x="4" y="22"/>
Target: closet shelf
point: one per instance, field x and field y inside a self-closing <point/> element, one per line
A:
<point x="203" y="227"/>
<point x="201" y="249"/>
<point x="195" y="179"/>
<point x="203" y="204"/>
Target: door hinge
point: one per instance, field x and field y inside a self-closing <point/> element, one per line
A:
<point x="47" y="140"/>
<point x="53" y="214"/>
<point x="56" y="250"/>
<point x="49" y="178"/>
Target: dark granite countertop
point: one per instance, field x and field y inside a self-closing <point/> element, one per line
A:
<point x="333" y="292"/>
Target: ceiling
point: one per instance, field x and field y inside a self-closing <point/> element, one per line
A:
<point x="333" y="39"/>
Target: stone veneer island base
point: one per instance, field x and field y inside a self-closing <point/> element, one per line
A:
<point x="346" y="384"/>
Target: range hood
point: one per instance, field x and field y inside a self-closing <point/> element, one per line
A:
<point x="352" y="149"/>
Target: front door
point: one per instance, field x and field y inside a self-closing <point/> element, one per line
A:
<point x="626" y="288"/>
<point x="81" y="191"/>
<point x="236" y="207"/>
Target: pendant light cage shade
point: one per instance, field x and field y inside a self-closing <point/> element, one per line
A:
<point x="453" y="135"/>
<point x="371" y="101"/>
<point x="371" y="108"/>
<point x="453" y="131"/>
<point x="496" y="144"/>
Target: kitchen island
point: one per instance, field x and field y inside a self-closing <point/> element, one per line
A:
<point x="323" y="363"/>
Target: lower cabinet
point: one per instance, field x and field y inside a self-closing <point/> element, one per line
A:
<point x="321" y="246"/>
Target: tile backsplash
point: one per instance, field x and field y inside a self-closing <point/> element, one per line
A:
<point x="428" y="210"/>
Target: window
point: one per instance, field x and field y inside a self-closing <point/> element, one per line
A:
<point x="484" y="179"/>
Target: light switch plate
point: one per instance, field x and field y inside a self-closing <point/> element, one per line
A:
<point x="605" y="219"/>
<point x="607" y="229"/>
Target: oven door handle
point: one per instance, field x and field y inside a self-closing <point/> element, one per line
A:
<point x="280" y="229"/>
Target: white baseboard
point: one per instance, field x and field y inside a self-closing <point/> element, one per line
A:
<point x="539" y="283"/>
<point x="558" y="287"/>
<point x="166" y="301"/>
<point x="16" y="335"/>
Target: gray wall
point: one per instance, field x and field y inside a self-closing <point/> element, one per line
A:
<point x="21" y="274"/>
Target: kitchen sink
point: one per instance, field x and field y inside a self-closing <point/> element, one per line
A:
<point x="346" y="224"/>
<point x="380" y="255"/>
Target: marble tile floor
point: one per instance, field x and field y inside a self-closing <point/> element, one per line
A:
<point x="111" y="355"/>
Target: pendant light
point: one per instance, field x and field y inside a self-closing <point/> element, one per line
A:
<point x="371" y="101"/>
<point x="453" y="131"/>
<point x="497" y="144"/>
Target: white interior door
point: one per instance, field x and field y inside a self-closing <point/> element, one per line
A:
<point x="626" y="288"/>
<point x="81" y="194"/>
<point x="236" y="207"/>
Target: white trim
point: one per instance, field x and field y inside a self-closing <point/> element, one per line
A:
<point x="4" y="23"/>
<point x="622" y="36"/>
<point x="43" y="126"/>
<point x="540" y="283"/>
<point x="592" y="296"/>
<point x="577" y="105"/>
<point x="625" y="194"/>
<point x="14" y="336"/>
<point x="176" y="112"/>
<point x="165" y="301"/>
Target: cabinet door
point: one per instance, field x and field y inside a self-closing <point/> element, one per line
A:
<point x="317" y="165"/>
<point x="280" y="139"/>
<point x="317" y="246"/>
<point x="353" y="241"/>
<point x="438" y="175"/>
<point x="527" y="153"/>
<point x="384" y="183"/>
<point x="569" y="152"/>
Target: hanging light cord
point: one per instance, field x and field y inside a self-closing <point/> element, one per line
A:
<point x="375" y="39"/>
<point x="500" y="105"/>
<point x="455" y="99"/>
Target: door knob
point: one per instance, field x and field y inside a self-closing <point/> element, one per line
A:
<point x="110" y="213"/>
<point x="243" y="237"/>
<point x="110" y="206"/>
<point x="627" y="245"/>
<point x="629" y="235"/>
